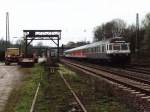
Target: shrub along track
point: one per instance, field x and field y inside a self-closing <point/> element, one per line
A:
<point x="82" y="108"/>
<point x="91" y="95"/>
<point x="56" y="91"/>
<point x="54" y="95"/>
<point x="135" y="73"/>
<point x="137" y="88"/>
<point x="88" y="96"/>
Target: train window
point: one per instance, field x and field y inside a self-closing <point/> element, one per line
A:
<point x="110" y="47"/>
<point x="82" y="51"/>
<point x="89" y="51"/>
<point x="116" y="47"/>
<point x="124" y="47"/>
<point x="103" y="48"/>
<point x="99" y="48"/>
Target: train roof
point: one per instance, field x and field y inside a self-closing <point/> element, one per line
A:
<point x="95" y="44"/>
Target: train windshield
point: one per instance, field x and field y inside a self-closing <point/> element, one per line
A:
<point x="119" y="46"/>
<point x="116" y="47"/>
<point x="124" y="47"/>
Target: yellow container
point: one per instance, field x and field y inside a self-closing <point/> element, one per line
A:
<point x="12" y="52"/>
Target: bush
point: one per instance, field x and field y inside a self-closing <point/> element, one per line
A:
<point x="2" y="55"/>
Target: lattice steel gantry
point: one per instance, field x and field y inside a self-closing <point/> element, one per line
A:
<point x="53" y="35"/>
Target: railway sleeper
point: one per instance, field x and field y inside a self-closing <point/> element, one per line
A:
<point x="136" y="100"/>
<point x="132" y="98"/>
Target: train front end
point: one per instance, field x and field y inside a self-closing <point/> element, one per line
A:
<point x="119" y="51"/>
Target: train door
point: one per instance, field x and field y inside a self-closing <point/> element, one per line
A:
<point x="103" y="51"/>
<point x="103" y="48"/>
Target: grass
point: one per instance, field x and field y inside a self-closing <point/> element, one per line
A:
<point x="22" y="96"/>
<point x="1" y="61"/>
<point x="93" y="97"/>
<point x="28" y="89"/>
<point x="54" y="96"/>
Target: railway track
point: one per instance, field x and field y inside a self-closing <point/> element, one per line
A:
<point x="141" y="75"/>
<point x="138" y="69"/>
<point x="135" y="83"/>
<point x="137" y="87"/>
<point x="77" y="105"/>
<point x="123" y="72"/>
<point x="74" y="104"/>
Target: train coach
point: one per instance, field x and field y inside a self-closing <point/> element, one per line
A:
<point x="114" y="50"/>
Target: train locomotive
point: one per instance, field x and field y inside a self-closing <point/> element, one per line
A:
<point x="113" y="50"/>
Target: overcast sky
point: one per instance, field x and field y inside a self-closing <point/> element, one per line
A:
<point x="76" y="18"/>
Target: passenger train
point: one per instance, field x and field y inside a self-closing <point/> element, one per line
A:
<point x="114" y="50"/>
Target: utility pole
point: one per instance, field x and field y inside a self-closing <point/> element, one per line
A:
<point x="137" y="35"/>
<point x="7" y="30"/>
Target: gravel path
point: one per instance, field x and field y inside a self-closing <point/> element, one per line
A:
<point x="9" y="77"/>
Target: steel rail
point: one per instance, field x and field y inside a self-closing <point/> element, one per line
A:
<point x="73" y="93"/>
<point x="115" y="71"/>
<point x="34" y="99"/>
<point x="139" y="70"/>
<point x="144" y="88"/>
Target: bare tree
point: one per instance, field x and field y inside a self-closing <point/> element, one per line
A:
<point x="119" y="27"/>
<point x="110" y="29"/>
<point x="146" y="23"/>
